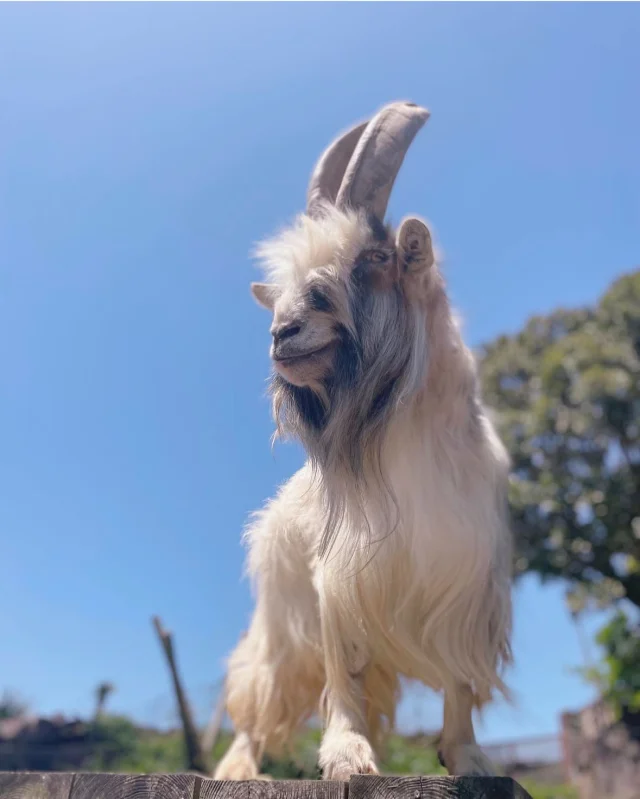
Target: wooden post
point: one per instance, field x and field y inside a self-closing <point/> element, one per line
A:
<point x="190" y="786"/>
<point x="196" y="760"/>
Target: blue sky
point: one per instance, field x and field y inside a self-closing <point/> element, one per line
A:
<point x="144" y="149"/>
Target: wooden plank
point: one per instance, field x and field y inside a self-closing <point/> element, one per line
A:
<point x="133" y="786"/>
<point x="366" y="787"/>
<point x="271" y="789"/>
<point x="189" y="786"/>
<point x="15" y="785"/>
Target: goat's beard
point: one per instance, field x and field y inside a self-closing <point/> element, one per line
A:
<point x="342" y="424"/>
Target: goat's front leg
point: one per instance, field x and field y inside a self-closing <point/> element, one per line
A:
<point x="459" y="752"/>
<point x="345" y="748"/>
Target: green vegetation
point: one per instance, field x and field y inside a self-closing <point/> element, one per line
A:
<point x="414" y="755"/>
<point x="118" y="745"/>
<point x="566" y="390"/>
<point x="618" y="677"/>
<point x="122" y="747"/>
<point x="550" y="791"/>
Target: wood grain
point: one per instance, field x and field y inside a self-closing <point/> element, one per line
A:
<point x="139" y="786"/>
<point x="35" y="786"/>
<point x="272" y="789"/>
<point x="189" y="786"/>
<point x="363" y="787"/>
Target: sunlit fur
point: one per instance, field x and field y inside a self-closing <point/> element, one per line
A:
<point x="387" y="555"/>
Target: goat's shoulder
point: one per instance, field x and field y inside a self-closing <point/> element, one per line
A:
<point x="292" y="515"/>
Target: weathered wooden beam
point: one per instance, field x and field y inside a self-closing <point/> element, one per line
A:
<point x="17" y="785"/>
<point x="361" y="787"/>
<point x="273" y="789"/>
<point x="139" y="786"/>
<point x="191" y="786"/>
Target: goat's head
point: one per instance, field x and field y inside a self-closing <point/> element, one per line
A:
<point x="348" y="333"/>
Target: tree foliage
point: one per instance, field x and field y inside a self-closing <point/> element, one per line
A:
<point x="618" y="676"/>
<point x="566" y="392"/>
<point x="114" y="741"/>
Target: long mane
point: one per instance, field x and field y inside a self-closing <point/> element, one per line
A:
<point x="380" y="362"/>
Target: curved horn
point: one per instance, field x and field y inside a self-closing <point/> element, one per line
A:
<point x="377" y="159"/>
<point x="329" y="170"/>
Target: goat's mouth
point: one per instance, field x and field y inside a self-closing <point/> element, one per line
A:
<point x="300" y="357"/>
<point x="304" y="368"/>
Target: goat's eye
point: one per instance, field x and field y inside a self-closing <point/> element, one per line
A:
<point x="318" y="300"/>
<point x="378" y="257"/>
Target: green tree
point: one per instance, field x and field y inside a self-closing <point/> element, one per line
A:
<point x="114" y="741"/>
<point x="566" y="392"/>
<point x="619" y="674"/>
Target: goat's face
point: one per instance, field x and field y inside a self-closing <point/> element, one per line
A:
<point x="305" y="328"/>
<point x="344" y="304"/>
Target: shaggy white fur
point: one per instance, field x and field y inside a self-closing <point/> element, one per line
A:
<point x="388" y="554"/>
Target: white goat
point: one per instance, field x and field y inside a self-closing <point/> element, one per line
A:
<point x="388" y="554"/>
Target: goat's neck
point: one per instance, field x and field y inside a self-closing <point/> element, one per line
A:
<point x="450" y="389"/>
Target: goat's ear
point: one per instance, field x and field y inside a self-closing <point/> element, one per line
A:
<point x="264" y="294"/>
<point x="415" y="249"/>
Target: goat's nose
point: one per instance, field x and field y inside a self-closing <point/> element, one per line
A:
<point x="288" y="330"/>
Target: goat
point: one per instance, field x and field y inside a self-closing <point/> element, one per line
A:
<point x="388" y="554"/>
